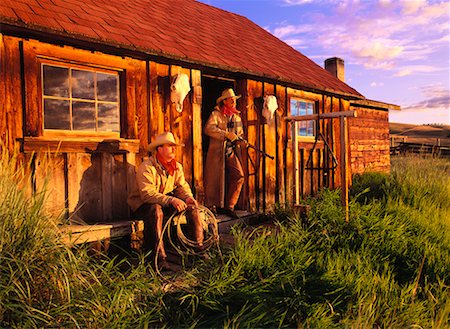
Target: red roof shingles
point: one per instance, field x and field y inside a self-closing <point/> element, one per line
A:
<point x="183" y="29"/>
<point x="7" y="12"/>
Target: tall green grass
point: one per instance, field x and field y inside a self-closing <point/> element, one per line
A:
<point x="44" y="283"/>
<point x="387" y="268"/>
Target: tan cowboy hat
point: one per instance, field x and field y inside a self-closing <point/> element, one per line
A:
<point x="227" y="93"/>
<point x="164" y="138"/>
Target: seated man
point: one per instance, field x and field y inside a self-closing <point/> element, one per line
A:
<point x="162" y="189"/>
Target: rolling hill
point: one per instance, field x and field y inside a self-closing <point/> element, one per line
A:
<point x="421" y="134"/>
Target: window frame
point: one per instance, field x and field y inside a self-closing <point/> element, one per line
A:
<point x="301" y="142"/>
<point x="130" y="72"/>
<point x="302" y="138"/>
<point x="83" y="67"/>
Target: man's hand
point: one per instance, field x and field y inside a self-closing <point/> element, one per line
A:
<point x="192" y="202"/>
<point x="231" y="136"/>
<point x="178" y="204"/>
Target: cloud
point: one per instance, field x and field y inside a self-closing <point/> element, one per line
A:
<point x="431" y="103"/>
<point x="411" y="69"/>
<point x="296" y="43"/>
<point x="403" y="73"/>
<point x="377" y="49"/>
<point x="436" y="90"/>
<point x="374" y="34"/>
<point x="436" y="97"/>
<point x="412" y="6"/>
<point x="434" y="108"/>
<point x="297" y="2"/>
<point x="289" y="30"/>
<point x="414" y="116"/>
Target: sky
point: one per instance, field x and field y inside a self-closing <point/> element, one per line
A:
<point x="396" y="52"/>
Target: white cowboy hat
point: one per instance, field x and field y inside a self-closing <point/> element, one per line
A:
<point x="164" y="138"/>
<point x="227" y="93"/>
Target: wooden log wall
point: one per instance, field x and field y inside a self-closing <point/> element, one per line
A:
<point x="87" y="188"/>
<point x="10" y="91"/>
<point x="269" y="138"/>
<point x="315" y="162"/>
<point x="197" y="136"/>
<point x="263" y="173"/>
<point x="340" y="105"/>
<point x="86" y="177"/>
<point x="244" y="199"/>
<point x="92" y="183"/>
<point x="326" y="106"/>
<point x="275" y="181"/>
<point x="369" y="141"/>
<point x="283" y="155"/>
<point x="186" y="126"/>
<point x="253" y="131"/>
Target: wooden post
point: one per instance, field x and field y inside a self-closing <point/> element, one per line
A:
<point x="197" y="135"/>
<point x="344" y="165"/>
<point x="295" y="163"/>
<point x="344" y="148"/>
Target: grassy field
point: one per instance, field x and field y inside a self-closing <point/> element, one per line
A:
<point x="387" y="268"/>
<point x="421" y="134"/>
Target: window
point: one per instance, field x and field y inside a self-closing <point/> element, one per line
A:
<point x="302" y="107"/>
<point x="80" y="100"/>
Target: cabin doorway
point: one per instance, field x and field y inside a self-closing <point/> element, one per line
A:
<point x="212" y="88"/>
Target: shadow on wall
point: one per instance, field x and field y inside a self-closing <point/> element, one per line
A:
<point x="104" y="185"/>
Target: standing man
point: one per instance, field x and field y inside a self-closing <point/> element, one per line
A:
<point x="224" y="176"/>
<point x="161" y="189"/>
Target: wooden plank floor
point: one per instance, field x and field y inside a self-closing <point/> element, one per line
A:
<point x="76" y="234"/>
<point x="225" y="223"/>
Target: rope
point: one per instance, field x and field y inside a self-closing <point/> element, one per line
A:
<point x="185" y="246"/>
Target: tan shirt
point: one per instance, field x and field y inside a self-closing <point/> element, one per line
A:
<point x="153" y="185"/>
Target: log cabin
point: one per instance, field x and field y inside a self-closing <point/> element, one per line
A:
<point x="85" y="85"/>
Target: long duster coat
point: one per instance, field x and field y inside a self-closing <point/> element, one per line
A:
<point x="216" y="126"/>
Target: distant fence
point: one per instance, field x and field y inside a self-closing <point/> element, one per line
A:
<point x="435" y="150"/>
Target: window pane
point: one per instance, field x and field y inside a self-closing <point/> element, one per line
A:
<point x="305" y="128"/>
<point x="309" y="108"/>
<point x="302" y="128"/>
<point x="83" y="84"/>
<point x="302" y="108"/>
<point x="310" y="128"/>
<point x="83" y="116"/>
<point x="108" y="117"/>
<point x="56" y="81"/>
<point x="56" y="114"/>
<point x="82" y="100"/>
<point x="294" y="109"/>
<point x="107" y="87"/>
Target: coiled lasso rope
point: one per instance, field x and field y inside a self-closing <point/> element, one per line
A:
<point x="185" y="246"/>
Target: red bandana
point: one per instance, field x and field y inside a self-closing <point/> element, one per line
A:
<point x="229" y="110"/>
<point x="170" y="166"/>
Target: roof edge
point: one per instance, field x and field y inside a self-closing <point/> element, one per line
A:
<point x="21" y="29"/>
<point x="368" y="103"/>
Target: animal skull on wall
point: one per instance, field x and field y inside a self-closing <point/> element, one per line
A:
<point x="269" y="107"/>
<point x="179" y="89"/>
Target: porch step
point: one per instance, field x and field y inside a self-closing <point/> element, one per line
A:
<point x="226" y="222"/>
<point x="76" y="234"/>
